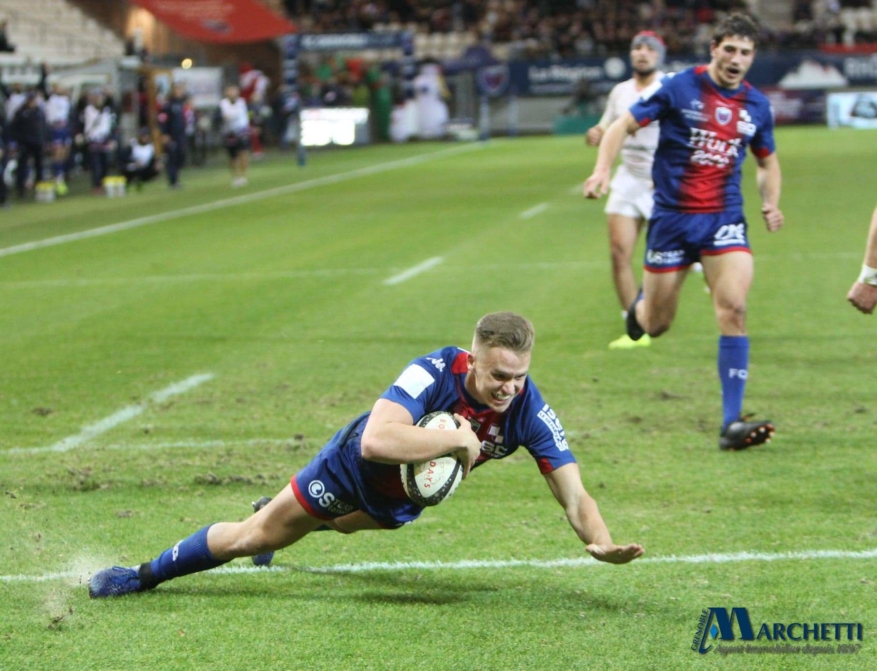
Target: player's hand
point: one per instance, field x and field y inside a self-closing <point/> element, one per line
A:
<point x="615" y="554"/>
<point x="773" y="218"/>
<point x="597" y="185"/>
<point x="593" y="136"/>
<point x="863" y="297"/>
<point x="470" y="445"/>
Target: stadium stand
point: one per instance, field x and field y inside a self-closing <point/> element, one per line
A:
<point x="56" y="32"/>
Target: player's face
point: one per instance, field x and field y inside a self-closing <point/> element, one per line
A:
<point x="496" y="375"/>
<point x="643" y="59"/>
<point x="731" y="60"/>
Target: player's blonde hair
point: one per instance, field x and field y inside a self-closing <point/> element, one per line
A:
<point x="507" y="330"/>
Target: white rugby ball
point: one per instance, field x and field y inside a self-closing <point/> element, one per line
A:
<point x="428" y="483"/>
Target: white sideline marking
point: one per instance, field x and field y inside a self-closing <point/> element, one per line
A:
<point x="237" y="200"/>
<point x="578" y="189"/>
<point x="190" y="444"/>
<point x="370" y="567"/>
<point x="122" y="415"/>
<point x="533" y="211"/>
<point x="200" y="277"/>
<point x="292" y="274"/>
<point x="416" y="270"/>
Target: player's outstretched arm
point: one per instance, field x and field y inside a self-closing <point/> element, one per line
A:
<point x="863" y="294"/>
<point x="597" y="184"/>
<point x="769" y="180"/>
<point x="584" y="517"/>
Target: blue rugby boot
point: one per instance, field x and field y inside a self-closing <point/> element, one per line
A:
<point x="119" y="581"/>
<point x="262" y="559"/>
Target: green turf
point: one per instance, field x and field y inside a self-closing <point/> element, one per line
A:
<point x="281" y="297"/>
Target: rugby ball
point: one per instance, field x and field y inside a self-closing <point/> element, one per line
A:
<point x="428" y="483"/>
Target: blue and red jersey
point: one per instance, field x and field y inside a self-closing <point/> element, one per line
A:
<point x="437" y="382"/>
<point x="705" y="130"/>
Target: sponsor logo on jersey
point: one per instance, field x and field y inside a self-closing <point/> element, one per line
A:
<point x="438" y="363"/>
<point x="327" y="500"/>
<point x="730" y="235"/>
<point x="696" y="112"/>
<point x="546" y="414"/>
<point x="673" y="257"/>
<point x="493" y="446"/>
<point x="745" y="125"/>
<point x="710" y="149"/>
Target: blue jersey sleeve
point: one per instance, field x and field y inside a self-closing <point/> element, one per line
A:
<point x="543" y="435"/>
<point x="654" y="102"/>
<point x="423" y="383"/>
<point x="763" y="144"/>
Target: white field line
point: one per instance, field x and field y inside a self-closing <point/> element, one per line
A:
<point x="479" y="564"/>
<point x="412" y="272"/>
<point x="237" y="200"/>
<point x="292" y="274"/>
<point x="123" y="415"/>
<point x="200" y="277"/>
<point x="334" y="272"/>
<point x="577" y="190"/>
<point x="533" y="211"/>
<point x="171" y="445"/>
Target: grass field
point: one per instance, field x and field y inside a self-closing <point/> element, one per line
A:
<point x="277" y="296"/>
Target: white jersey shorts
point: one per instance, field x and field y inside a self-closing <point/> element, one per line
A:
<point x="630" y="196"/>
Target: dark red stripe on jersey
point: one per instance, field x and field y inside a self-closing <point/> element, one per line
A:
<point x="762" y="152"/>
<point x="545" y="466"/>
<point x="725" y="250"/>
<point x="460" y="364"/>
<point x="702" y="187"/>
<point x="309" y="509"/>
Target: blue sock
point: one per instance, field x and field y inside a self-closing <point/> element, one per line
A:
<point x="190" y="555"/>
<point x="733" y="371"/>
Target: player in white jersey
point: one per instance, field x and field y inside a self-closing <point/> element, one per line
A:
<point x="630" y="201"/>
<point x="236" y="132"/>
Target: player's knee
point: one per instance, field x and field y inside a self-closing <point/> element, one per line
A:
<point x="657" y="329"/>
<point x="656" y="324"/>
<point x="620" y="254"/>
<point x="250" y="539"/>
<point x="731" y="313"/>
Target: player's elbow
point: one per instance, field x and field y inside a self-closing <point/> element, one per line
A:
<point x="370" y="447"/>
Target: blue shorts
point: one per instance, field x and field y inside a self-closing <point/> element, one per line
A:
<point x="333" y="484"/>
<point x="677" y="239"/>
<point x="61" y="135"/>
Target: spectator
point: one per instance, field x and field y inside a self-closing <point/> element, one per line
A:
<point x="3" y="161"/>
<point x="172" y="120"/>
<point x="98" y="121"/>
<point x="5" y="45"/>
<point x="139" y="161"/>
<point x="58" y="120"/>
<point x="236" y="134"/>
<point x="29" y="132"/>
<point x="430" y="94"/>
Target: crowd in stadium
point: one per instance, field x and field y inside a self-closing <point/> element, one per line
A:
<point x="45" y="133"/>
<point x="570" y="28"/>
